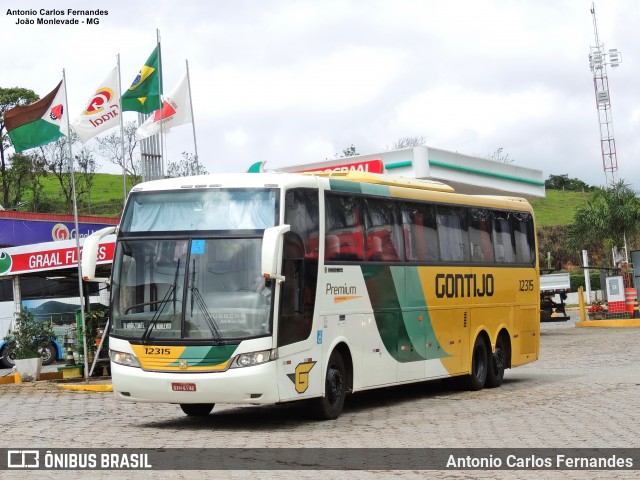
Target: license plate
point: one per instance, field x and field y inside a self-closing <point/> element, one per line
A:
<point x="183" y="387"/>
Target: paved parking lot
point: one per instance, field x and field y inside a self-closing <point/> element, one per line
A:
<point x="583" y="392"/>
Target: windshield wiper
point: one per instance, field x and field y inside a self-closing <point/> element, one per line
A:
<point x="196" y="299"/>
<point x="171" y="291"/>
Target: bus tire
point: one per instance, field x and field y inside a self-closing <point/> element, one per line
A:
<point x="197" y="409"/>
<point x="479" y="366"/>
<point x="49" y="354"/>
<point x="497" y="362"/>
<point x="330" y="405"/>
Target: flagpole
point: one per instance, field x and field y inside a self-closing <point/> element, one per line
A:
<point x="193" y="122"/>
<point x="75" y="221"/>
<point x="124" y="160"/>
<point x="160" y="98"/>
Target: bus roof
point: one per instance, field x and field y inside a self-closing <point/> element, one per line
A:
<point x="366" y="177"/>
<point x="398" y="187"/>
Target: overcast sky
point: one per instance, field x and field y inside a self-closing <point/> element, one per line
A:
<point x="290" y="82"/>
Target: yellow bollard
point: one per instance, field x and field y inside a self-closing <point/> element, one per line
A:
<point x="581" y="305"/>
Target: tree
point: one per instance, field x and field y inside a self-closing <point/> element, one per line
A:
<point x="56" y="156"/>
<point x="609" y="216"/>
<point x="10" y="98"/>
<point x="110" y="146"/>
<point x="39" y="202"/>
<point x="24" y="173"/>
<point x="409" y="142"/>
<point x="349" y="151"/>
<point x="563" y="182"/>
<point x="87" y="166"/>
<point x="500" y="156"/>
<point x="190" y="165"/>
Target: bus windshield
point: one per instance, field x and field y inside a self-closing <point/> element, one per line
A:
<point x="198" y="210"/>
<point x="200" y="289"/>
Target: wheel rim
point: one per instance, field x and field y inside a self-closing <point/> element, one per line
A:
<point x="335" y="385"/>
<point x="46" y="354"/>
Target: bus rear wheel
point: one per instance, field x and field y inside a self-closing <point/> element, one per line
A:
<point x="479" y="366"/>
<point x="197" y="409"/>
<point x="497" y="363"/>
<point x="330" y="405"/>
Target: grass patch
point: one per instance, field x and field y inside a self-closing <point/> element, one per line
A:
<point x="558" y="207"/>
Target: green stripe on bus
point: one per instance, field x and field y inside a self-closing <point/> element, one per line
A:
<point x="406" y="331"/>
<point x="344" y="186"/>
<point x="206" y="355"/>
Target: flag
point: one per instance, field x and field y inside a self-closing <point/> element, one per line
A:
<point x="144" y="93"/>
<point x="176" y="110"/>
<point x="39" y="123"/>
<point x="102" y="111"/>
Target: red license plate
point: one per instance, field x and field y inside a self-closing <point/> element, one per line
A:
<point x="183" y="387"/>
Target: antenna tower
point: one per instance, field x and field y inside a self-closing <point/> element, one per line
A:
<point x="598" y="61"/>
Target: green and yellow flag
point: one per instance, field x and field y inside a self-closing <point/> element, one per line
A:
<point x="144" y="93"/>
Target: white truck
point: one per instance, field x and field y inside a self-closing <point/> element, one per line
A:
<point x="553" y="284"/>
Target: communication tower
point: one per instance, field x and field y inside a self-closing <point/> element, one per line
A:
<point x="598" y="61"/>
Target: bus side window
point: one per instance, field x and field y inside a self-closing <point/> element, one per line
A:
<point x="452" y="234"/>
<point x="302" y="214"/>
<point x="344" y="221"/>
<point x="524" y="238"/>
<point x="421" y="238"/>
<point x="382" y="231"/>
<point x="480" y="245"/>
<point x="503" y="238"/>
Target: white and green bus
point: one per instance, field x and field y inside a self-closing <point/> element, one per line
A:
<point x="277" y="287"/>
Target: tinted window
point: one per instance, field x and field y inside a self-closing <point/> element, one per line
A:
<point x="480" y="244"/>
<point x="420" y="235"/>
<point x="344" y="239"/>
<point x="452" y="234"/>
<point x="302" y="214"/>
<point x="383" y="237"/>
<point x="503" y="238"/>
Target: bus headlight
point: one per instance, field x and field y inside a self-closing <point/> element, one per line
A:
<point x="127" y="359"/>
<point x="254" y="358"/>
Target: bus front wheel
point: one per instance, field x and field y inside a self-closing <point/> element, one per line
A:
<point x="197" y="409"/>
<point x="479" y="366"/>
<point x="330" y="405"/>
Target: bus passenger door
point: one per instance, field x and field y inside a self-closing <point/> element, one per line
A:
<point x="300" y="352"/>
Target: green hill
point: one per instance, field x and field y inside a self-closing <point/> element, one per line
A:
<point x="558" y="207"/>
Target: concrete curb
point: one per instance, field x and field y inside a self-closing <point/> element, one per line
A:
<point x="609" y="323"/>
<point x="103" y="387"/>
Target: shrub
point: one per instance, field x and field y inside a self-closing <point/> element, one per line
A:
<point x="28" y="337"/>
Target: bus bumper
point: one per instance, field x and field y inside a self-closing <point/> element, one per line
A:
<point x="247" y="385"/>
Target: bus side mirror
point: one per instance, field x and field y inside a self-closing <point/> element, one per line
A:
<point x="272" y="243"/>
<point x="90" y="254"/>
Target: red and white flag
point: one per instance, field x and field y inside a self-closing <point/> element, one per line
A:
<point x="102" y="111"/>
<point x="176" y="110"/>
